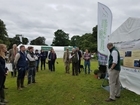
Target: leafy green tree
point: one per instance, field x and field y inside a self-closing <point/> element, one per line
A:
<point x="25" y="40"/>
<point x="75" y="40"/>
<point x="38" y="41"/>
<point x="60" y="38"/>
<point x="94" y="33"/>
<point x="3" y="33"/>
<point x="16" y="40"/>
<point x="86" y="41"/>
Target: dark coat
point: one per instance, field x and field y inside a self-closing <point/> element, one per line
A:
<point x="52" y="56"/>
<point x="3" y="68"/>
<point x="43" y="55"/>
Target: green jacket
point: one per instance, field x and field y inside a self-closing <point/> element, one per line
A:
<point x="75" y="57"/>
<point x="117" y="67"/>
<point x="31" y="63"/>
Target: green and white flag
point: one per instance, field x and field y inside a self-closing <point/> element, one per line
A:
<point x="104" y="30"/>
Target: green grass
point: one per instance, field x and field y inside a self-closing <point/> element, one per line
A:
<point x="58" y="88"/>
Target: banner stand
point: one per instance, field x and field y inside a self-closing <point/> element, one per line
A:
<point x="104" y="30"/>
<point x="105" y="83"/>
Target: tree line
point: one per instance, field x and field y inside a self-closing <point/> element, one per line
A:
<point x="61" y="38"/>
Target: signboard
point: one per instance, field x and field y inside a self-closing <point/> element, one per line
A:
<point x="69" y="47"/>
<point x="46" y="48"/>
<point x="130" y="64"/>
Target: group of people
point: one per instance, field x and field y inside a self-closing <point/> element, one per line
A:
<point x="113" y="65"/>
<point x="26" y="61"/>
<point x="75" y="57"/>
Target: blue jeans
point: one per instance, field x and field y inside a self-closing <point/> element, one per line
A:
<point x="31" y="75"/>
<point x="87" y="63"/>
<point x="37" y="65"/>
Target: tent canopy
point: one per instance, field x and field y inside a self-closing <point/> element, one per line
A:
<point x="128" y="31"/>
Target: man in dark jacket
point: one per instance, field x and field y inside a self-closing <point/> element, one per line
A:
<point x="20" y="63"/>
<point x="75" y="62"/>
<point x="52" y="57"/>
<point x="49" y="61"/>
<point x="37" y="61"/>
<point x="32" y="65"/>
<point x="43" y="59"/>
<point x="79" y="60"/>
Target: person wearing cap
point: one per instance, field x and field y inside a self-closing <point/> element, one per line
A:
<point x="32" y="65"/>
<point x="66" y="60"/>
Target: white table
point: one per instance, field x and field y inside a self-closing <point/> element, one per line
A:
<point x="9" y="66"/>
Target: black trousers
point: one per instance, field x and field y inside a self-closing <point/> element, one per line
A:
<point x="79" y="63"/>
<point x="20" y="77"/>
<point x="21" y="73"/>
<point x="4" y="81"/>
<point x="43" y="63"/>
<point x="52" y="65"/>
<point x="49" y="65"/>
<point x="2" y="95"/>
<point x="75" y="69"/>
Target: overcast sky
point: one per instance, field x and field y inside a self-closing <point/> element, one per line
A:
<point x="34" y="18"/>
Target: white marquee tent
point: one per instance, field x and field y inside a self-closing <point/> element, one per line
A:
<point x="128" y="31"/>
<point x="127" y="38"/>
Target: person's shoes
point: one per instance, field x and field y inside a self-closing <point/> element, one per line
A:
<point x="28" y="83"/>
<point x="109" y="100"/>
<point x="4" y="101"/>
<point x="33" y="82"/>
<point x="23" y="87"/>
<point x="5" y="88"/>
<point x="1" y="103"/>
<point x="117" y="96"/>
<point x="98" y="77"/>
<point x="19" y="89"/>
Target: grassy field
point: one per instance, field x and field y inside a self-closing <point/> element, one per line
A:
<point x="58" y="88"/>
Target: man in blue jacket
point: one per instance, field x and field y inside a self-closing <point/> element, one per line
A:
<point x="21" y="63"/>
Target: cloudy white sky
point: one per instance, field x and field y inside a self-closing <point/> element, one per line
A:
<point x="33" y="18"/>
